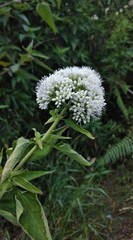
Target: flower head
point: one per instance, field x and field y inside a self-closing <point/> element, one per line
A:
<point x="81" y="86"/>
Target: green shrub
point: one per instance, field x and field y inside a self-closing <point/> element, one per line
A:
<point x="94" y="33"/>
<point x="23" y="62"/>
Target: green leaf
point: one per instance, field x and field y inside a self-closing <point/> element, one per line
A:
<point x="14" y="68"/>
<point x="21" y="182"/>
<point x="59" y="131"/>
<point x="61" y="137"/>
<point x="40" y="63"/>
<point x="54" y="115"/>
<point x="15" y="156"/>
<point x="31" y="175"/>
<point x="19" y="208"/>
<point x="38" y="138"/>
<point x="4" y="64"/>
<point x="3" y="106"/>
<point x="68" y="151"/>
<point x="25" y="58"/>
<point x="4" y="202"/>
<point x="1" y="155"/>
<point x="32" y="219"/>
<point x="41" y="153"/>
<point x="50" y="120"/>
<point x="9" y="151"/>
<point x="38" y="54"/>
<point x="59" y="3"/>
<point x="78" y="128"/>
<point x="3" y="187"/>
<point x="4" y="10"/>
<point x="45" y="13"/>
<point x="47" y="146"/>
<point x="9" y="216"/>
<point x="29" y="47"/>
<point x="25" y="19"/>
<point x="26" y="75"/>
<point x="8" y="207"/>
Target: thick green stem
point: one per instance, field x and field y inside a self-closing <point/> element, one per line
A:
<point x="44" y="138"/>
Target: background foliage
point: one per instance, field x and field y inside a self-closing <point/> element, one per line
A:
<point x="101" y="38"/>
<point x="95" y="33"/>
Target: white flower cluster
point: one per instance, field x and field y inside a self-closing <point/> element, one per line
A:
<point x="81" y="86"/>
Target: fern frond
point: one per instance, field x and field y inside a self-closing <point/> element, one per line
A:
<point x="120" y="150"/>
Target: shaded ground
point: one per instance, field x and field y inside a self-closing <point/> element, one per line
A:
<point x="119" y="186"/>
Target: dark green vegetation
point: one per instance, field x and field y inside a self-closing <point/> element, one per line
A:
<point x="95" y="33"/>
<point x="84" y="205"/>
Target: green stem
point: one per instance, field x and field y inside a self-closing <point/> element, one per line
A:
<point x="29" y="154"/>
<point x="46" y="135"/>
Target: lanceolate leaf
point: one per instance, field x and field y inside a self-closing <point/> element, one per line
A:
<point x="31" y="175"/>
<point x="21" y="182"/>
<point x="32" y="215"/>
<point x="9" y="216"/>
<point x="50" y="120"/>
<point x="78" y="128"/>
<point x="8" y="207"/>
<point x="3" y="106"/>
<point x="42" y="64"/>
<point x="45" y="13"/>
<point x="38" y="138"/>
<point x="19" y="208"/>
<point x="41" y="153"/>
<point x="14" y="158"/>
<point x="68" y="151"/>
<point x="3" y="187"/>
<point x="39" y="54"/>
<point x="54" y="115"/>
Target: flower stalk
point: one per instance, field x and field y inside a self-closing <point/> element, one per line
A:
<point x="44" y="138"/>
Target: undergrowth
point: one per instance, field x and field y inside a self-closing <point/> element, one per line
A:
<point x="82" y="204"/>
